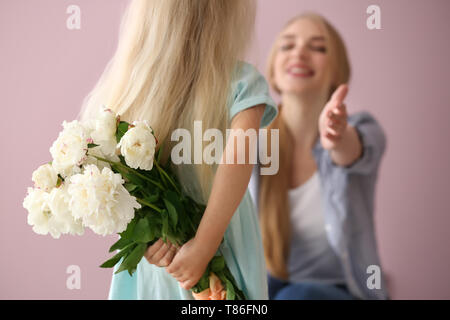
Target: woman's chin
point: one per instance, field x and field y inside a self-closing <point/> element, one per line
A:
<point x="300" y="89"/>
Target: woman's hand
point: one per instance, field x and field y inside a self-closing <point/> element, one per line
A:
<point x="190" y="263"/>
<point x="160" y="253"/>
<point x="336" y="135"/>
<point x="333" y="119"/>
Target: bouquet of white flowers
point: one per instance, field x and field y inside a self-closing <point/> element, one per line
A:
<point x="106" y="175"/>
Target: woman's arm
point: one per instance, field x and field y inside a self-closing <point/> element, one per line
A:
<point x="349" y="148"/>
<point x="336" y="135"/>
<point x="229" y="186"/>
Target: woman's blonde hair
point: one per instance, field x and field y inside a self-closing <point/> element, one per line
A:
<point x="274" y="207"/>
<point x="173" y="65"/>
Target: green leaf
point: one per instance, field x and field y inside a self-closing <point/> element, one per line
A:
<point x="113" y="261"/>
<point x="154" y="222"/>
<point x="132" y="178"/>
<point x="142" y="232"/>
<point x="130" y="228"/>
<point x="203" y="283"/>
<point x="217" y="264"/>
<point x="130" y="186"/>
<point x="172" y="212"/>
<point x="92" y="145"/>
<point x="59" y="181"/>
<point x="132" y="260"/>
<point x="230" y="290"/>
<point x="120" y="244"/>
<point x="153" y="198"/>
<point x="160" y="151"/>
<point x="122" y="128"/>
<point x="165" y="224"/>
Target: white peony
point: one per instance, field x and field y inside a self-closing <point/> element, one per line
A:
<point x="58" y="203"/>
<point x="103" y="131"/>
<point x="101" y="201"/>
<point x="39" y="214"/>
<point x="69" y="150"/>
<point x="138" y="146"/>
<point x="97" y="152"/>
<point x="45" y="177"/>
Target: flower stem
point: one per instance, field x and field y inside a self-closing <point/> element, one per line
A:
<point x="132" y="170"/>
<point x="161" y="170"/>
<point x="145" y="203"/>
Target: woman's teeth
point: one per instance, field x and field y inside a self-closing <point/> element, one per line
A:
<point x="300" y="71"/>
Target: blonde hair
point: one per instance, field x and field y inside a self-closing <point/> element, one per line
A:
<point x="173" y="65"/>
<point x="274" y="207"/>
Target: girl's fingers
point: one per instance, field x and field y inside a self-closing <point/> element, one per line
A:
<point x="187" y="284"/>
<point x="180" y="277"/>
<point x="168" y="257"/>
<point x="173" y="269"/>
<point x="153" y="249"/>
<point x="160" y="253"/>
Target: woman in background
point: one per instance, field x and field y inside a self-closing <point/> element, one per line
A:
<point x="316" y="213"/>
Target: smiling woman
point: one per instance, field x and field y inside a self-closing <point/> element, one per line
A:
<point x="312" y="210"/>
<point x="307" y="38"/>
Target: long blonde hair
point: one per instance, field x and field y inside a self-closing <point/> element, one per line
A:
<point x="173" y="65"/>
<point x="274" y="207"/>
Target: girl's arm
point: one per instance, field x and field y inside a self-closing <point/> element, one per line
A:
<point x="229" y="186"/>
<point x="336" y="134"/>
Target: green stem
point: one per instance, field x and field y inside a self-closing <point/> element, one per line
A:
<point x="145" y="203"/>
<point x="166" y="175"/>
<point x="132" y="170"/>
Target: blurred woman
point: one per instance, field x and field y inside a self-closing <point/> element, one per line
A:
<point x="316" y="213"/>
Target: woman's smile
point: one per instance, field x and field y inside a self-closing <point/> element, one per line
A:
<point x="299" y="70"/>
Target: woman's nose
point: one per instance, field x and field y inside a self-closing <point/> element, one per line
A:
<point x="301" y="51"/>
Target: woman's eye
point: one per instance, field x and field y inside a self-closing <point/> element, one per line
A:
<point x="319" y="48"/>
<point x="286" y="47"/>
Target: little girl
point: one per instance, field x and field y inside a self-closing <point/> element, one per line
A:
<point x="178" y="62"/>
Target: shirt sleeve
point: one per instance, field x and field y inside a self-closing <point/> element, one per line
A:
<point x="373" y="142"/>
<point x="251" y="89"/>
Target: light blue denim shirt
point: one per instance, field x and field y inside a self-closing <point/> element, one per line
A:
<point x="348" y="205"/>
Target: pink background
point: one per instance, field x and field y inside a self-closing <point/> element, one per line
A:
<point x="400" y="74"/>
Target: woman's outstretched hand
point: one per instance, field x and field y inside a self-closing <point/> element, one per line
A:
<point x="333" y="119"/>
<point x="336" y="135"/>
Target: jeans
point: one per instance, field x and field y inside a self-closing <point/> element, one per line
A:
<point x="283" y="290"/>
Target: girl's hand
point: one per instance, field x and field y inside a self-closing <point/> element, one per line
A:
<point x="333" y="119"/>
<point x="189" y="264"/>
<point x="160" y="253"/>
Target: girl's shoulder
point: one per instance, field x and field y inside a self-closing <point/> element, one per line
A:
<point x="249" y="88"/>
<point x="247" y="75"/>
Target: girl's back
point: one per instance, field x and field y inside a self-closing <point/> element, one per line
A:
<point x="177" y="62"/>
